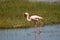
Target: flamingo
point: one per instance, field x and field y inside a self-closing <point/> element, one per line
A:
<point x="34" y="18"/>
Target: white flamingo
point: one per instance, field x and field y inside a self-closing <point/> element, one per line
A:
<point x="34" y="18"/>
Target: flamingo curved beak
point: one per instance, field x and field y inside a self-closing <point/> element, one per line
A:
<point x="25" y="15"/>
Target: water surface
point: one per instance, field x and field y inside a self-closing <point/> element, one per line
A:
<point x="49" y="32"/>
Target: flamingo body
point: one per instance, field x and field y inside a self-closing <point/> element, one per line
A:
<point x="35" y="17"/>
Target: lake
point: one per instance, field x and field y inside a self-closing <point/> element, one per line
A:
<point x="48" y="32"/>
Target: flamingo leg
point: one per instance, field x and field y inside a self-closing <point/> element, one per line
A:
<point x="34" y="30"/>
<point x="41" y="24"/>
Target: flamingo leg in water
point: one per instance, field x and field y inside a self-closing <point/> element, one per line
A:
<point x="39" y="30"/>
<point x="34" y="30"/>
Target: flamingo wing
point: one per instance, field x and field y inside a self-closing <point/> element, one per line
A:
<point x="35" y="17"/>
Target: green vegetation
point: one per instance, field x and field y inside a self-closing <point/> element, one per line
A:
<point x="11" y="13"/>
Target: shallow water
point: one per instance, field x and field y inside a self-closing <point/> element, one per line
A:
<point x="49" y="32"/>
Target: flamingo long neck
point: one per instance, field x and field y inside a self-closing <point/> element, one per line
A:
<point x="28" y="18"/>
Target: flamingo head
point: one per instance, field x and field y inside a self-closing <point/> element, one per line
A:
<point x="26" y="14"/>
